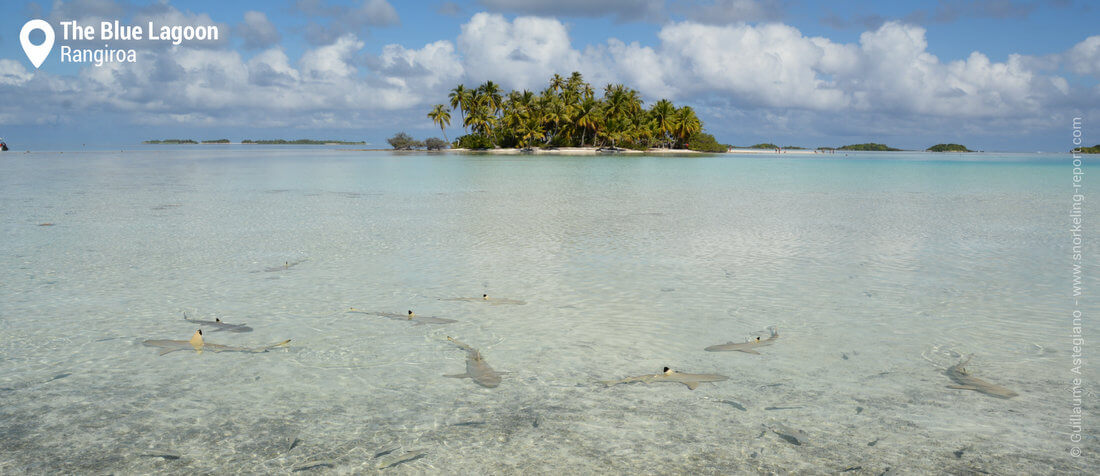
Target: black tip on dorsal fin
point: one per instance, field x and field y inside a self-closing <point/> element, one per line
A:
<point x="217" y="319"/>
<point x="666" y="369"/>
<point x="200" y="332"/>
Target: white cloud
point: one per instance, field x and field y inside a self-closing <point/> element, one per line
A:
<point x="12" y="73"/>
<point x="331" y="61"/>
<point x="517" y="54"/>
<point x="1084" y="57"/>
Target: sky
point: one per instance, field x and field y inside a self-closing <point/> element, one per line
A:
<point x="996" y="75"/>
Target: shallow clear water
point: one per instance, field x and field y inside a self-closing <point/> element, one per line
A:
<point x="878" y="270"/>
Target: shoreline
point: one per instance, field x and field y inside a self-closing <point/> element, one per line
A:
<point x="554" y="151"/>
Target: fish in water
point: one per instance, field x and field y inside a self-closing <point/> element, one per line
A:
<point x="313" y="465"/>
<point x="410" y="316"/>
<point x="476" y="367"/>
<point x="166" y="456"/>
<point x="219" y="325"/>
<point x="402" y="459"/>
<point x="746" y="347"/>
<point x="668" y="375"/>
<point x="200" y="345"/>
<point x="788" y="434"/>
<point x="495" y="301"/>
<point x="965" y="381"/>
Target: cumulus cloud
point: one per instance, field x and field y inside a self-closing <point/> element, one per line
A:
<point x="518" y="54"/>
<point x="256" y="31"/>
<point x="623" y="10"/>
<point x="1084" y="57"/>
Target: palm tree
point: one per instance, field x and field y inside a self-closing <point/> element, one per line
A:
<point x="460" y="100"/>
<point x="479" y="118"/>
<point x="528" y="130"/>
<point x="442" y="117"/>
<point x="686" y="123"/>
<point x="491" y="91"/>
<point x="587" y="116"/>
<point x="557" y="83"/>
<point x="663" y="114"/>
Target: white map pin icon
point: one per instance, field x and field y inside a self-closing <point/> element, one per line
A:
<point x="36" y="53"/>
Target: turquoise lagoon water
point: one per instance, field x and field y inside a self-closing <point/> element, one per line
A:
<point x="878" y="270"/>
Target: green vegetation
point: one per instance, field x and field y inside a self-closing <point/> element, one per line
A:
<point x="474" y="142"/>
<point x="171" y="141"/>
<point x="1089" y="150"/>
<point x="948" y="148"/>
<point x="764" y="145"/>
<point x="435" y="143"/>
<point x="703" y="142"/>
<point x="870" y="146"/>
<point x="216" y="141"/>
<point x="568" y="114"/>
<point x="403" y="141"/>
<point x="794" y="147"/>
<point x="300" y="142"/>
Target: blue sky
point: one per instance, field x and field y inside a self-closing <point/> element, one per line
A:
<point x="992" y="74"/>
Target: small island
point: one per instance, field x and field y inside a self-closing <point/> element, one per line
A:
<point x="765" y="145"/>
<point x="870" y="146"/>
<point x="1088" y="150"/>
<point x="948" y="148"/>
<point x="170" y="141"/>
<point x="569" y="115"/>
<point x="216" y="141"/>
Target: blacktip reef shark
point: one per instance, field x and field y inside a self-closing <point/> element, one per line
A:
<point x="476" y="367"/>
<point x="668" y="375"/>
<point x="494" y="301"/>
<point x="219" y="325"/>
<point x="746" y="347"/>
<point x="286" y="265"/>
<point x="965" y="381"/>
<point x="410" y="316"/>
<point x="200" y="345"/>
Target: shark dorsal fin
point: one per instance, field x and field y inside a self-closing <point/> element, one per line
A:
<point x="196" y="340"/>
